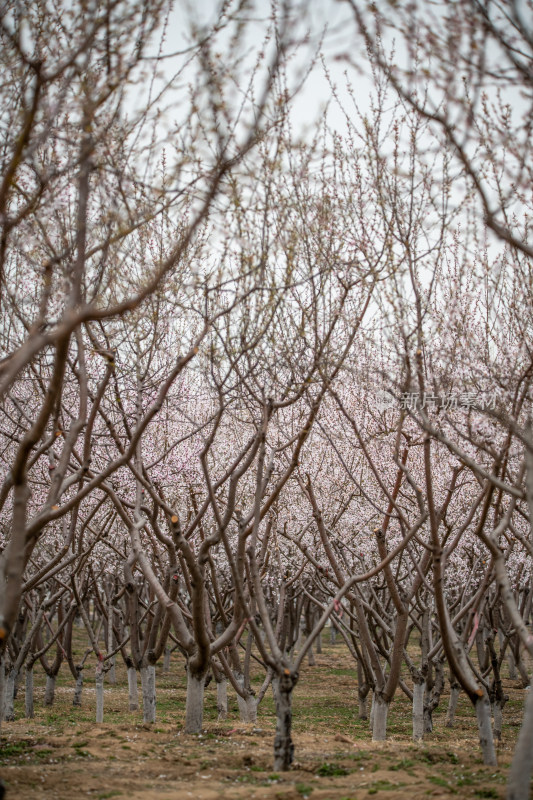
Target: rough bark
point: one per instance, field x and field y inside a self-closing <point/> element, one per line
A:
<point x="381" y="710"/>
<point x="148" y="688"/>
<point x="283" y="745"/>
<point x="247" y="704"/>
<point x="432" y="698"/>
<point x="79" y="687"/>
<point x="372" y="710"/>
<point x="50" y="690"/>
<point x="418" y="711"/>
<point x="362" y="694"/>
<point x="251" y="707"/>
<point x="112" y="674"/>
<point x="497" y="715"/>
<point x="486" y="739"/>
<point x="133" y="692"/>
<point x="194" y="709"/>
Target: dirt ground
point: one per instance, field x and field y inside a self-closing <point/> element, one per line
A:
<point x="63" y="754"/>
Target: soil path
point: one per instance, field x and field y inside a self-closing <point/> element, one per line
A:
<point x="62" y="754"/>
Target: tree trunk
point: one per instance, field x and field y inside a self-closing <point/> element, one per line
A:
<point x="99" y="678"/>
<point x="428" y="713"/>
<point x="509" y="656"/>
<point x="299" y="640"/>
<point x="2" y="691"/>
<point x="333" y="633"/>
<point x="482" y="658"/>
<point x="521" y="667"/>
<point x="418" y="711"/>
<point x="512" y="666"/>
<point x="247" y="708"/>
<point x="9" y="696"/>
<point x="311" y="657"/>
<point x="16" y="686"/>
<point x="133" y="692"/>
<point x="428" y="720"/>
<point x="148" y="687"/>
<point x="50" y="690"/>
<point x="247" y="704"/>
<point x="363" y="689"/>
<point x="166" y="660"/>
<point x="519" y="778"/>
<point x="372" y="710"/>
<point x="318" y="645"/>
<point x="283" y="746"/>
<point x="497" y="715"/>
<point x="486" y="739"/>
<point x="222" y="698"/>
<point x="112" y="673"/>
<point x="194" y="709"/>
<point x="251" y="706"/>
<point x="362" y="694"/>
<point x="79" y="687"/>
<point x="381" y="710"/>
<point x="28" y="695"/>
<point x="452" y="705"/>
<point x="241" y="702"/>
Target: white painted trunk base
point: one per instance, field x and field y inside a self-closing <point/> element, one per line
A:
<point x="452" y="706"/>
<point x="379" y="730"/>
<point x="50" y="690"/>
<point x="148" y="687"/>
<point x="133" y="691"/>
<point x="99" y="678"/>
<point x="9" y="696"/>
<point x="486" y="739"/>
<point x="247" y="705"/>
<point x="418" y="711"/>
<point x="194" y="709"/>
<point x="497" y="715"/>
<point x="519" y="779"/>
<point x="251" y="708"/>
<point x="78" y="688"/>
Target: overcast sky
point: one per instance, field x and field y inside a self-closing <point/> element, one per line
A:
<point x="329" y="17"/>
